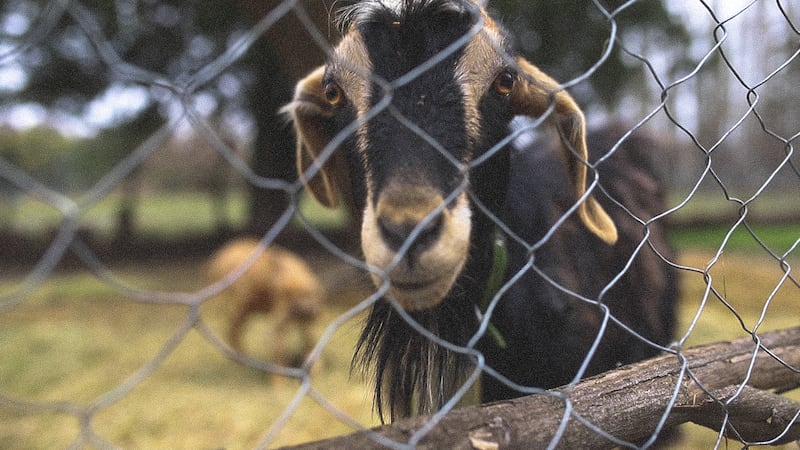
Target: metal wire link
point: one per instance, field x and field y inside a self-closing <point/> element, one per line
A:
<point x="670" y="87"/>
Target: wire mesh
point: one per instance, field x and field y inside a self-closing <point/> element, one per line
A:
<point x="726" y="110"/>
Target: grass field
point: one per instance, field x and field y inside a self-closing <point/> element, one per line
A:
<point x="165" y="214"/>
<point x="169" y="214"/>
<point x="76" y="339"/>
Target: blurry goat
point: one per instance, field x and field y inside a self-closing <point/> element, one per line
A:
<point x="279" y="283"/>
<point x="426" y="159"/>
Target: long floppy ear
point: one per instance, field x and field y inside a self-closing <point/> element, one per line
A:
<point x="532" y="95"/>
<point x="312" y="117"/>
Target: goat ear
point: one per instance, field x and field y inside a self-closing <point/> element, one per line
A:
<point x="532" y="95"/>
<point x="312" y="117"/>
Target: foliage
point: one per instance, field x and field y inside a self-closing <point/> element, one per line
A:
<point x="69" y="68"/>
<point x="42" y="152"/>
<point x="69" y="164"/>
<point x="566" y="38"/>
<point x="177" y="39"/>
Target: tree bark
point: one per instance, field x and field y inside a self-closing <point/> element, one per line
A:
<point x="628" y="403"/>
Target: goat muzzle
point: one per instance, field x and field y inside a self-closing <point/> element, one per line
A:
<point x="418" y="243"/>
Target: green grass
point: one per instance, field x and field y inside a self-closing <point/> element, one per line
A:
<point x="778" y="238"/>
<point x="163" y="214"/>
<point x="746" y="280"/>
<point x="712" y="203"/>
<point x="180" y="213"/>
<point x="709" y="205"/>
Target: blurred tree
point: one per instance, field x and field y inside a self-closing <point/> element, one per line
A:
<point x="287" y="54"/>
<point x="77" y="56"/>
<point x="35" y="149"/>
<point x="568" y="37"/>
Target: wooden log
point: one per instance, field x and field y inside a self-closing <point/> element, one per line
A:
<point x="731" y="384"/>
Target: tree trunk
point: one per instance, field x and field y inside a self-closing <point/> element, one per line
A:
<point x="281" y="58"/>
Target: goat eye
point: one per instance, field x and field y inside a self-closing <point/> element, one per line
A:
<point x="504" y="83"/>
<point x="334" y="94"/>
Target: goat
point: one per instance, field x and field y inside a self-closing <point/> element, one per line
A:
<point x="279" y="283"/>
<point x="426" y="159"/>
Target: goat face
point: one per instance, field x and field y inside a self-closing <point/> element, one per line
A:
<point x="404" y="144"/>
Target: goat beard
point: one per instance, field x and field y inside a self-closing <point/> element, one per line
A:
<point x="413" y="374"/>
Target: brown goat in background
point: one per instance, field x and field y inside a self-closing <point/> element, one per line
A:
<point x="279" y="283"/>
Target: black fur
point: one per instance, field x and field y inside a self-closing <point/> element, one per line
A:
<point x="427" y="29"/>
<point x="549" y="331"/>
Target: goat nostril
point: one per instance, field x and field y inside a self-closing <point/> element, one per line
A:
<point x="397" y="233"/>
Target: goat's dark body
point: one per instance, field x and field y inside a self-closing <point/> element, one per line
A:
<point x="548" y="331"/>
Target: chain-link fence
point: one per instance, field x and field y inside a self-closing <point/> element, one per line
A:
<point x="137" y="137"/>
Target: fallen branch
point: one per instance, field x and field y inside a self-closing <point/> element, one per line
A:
<point x="628" y="403"/>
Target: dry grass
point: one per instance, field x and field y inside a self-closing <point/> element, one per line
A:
<point x="75" y="339"/>
<point x="746" y="281"/>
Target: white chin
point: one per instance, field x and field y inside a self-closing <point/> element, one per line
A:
<point x="418" y="297"/>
